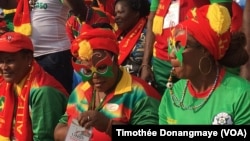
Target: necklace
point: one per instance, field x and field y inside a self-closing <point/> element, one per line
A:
<point x="99" y="99"/>
<point x="92" y="105"/>
<point x="180" y="103"/>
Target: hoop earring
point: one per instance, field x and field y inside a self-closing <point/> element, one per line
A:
<point x="210" y="68"/>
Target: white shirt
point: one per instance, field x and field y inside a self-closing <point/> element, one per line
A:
<point x="48" y="19"/>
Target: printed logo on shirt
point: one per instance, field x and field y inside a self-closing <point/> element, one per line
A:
<point x="41" y="5"/>
<point x="112" y="107"/>
<point x="222" y="118"/>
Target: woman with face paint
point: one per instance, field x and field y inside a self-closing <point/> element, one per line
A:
<point x="108" y="94"/>
<point x="200" y="48"/>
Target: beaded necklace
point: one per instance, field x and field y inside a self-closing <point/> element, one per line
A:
<point x="180" y="103"/>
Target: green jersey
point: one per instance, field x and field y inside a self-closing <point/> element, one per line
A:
<point x="229" y="103"/>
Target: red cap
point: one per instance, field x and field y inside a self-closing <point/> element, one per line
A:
<point x="14" y="42"/>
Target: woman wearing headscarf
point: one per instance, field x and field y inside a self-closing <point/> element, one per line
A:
<point x="200" y="48"/>
<point x="108" y="95"/>
<point x="163" y="15"/>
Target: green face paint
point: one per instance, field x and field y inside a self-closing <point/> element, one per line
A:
<point x="101" y="64"/>
<point x="177" y="44"/>
<point x="88" y="74"/>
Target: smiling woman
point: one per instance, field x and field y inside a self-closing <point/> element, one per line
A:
<point x="12" y="64"/>
<point x="31" y="98"/>
<point x="131" y="17"/>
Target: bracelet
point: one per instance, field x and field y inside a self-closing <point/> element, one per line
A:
<point x="145" y="65"/>
<point x="109" y="126"/>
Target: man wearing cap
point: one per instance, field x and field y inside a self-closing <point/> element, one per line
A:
<point x="108" y="94"/>
<point x="31" y="100"/>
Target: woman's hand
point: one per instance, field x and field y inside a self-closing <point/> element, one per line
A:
<point x="95" y="119"/>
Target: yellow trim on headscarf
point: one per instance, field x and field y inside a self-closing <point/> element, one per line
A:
<point x="221" y="21"/>
<point x="85" y="51"/>
<point x="2" y="138"/>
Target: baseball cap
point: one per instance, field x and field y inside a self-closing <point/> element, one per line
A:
<point x="14" y="42"/>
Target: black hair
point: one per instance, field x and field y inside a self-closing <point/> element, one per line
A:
<point x="26" y="51"/>
<point x="236" y="54"/>
<point x="102" y="25"/>
<point x="142" y="6"/>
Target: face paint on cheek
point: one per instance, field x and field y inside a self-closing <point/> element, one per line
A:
<point x="172" y="46"/>
<point x="103" y="62"/>
<point x="108" y="72"/>
<point x="179" y="55"/>
<point x="102" y="65"/>
<point x="180" y="44"/>
<point x="81" y="69"/>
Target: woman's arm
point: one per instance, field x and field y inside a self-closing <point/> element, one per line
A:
<point x="78" y="7"/>
<point x="60" y="132"/>
<point x="146" y="72"/>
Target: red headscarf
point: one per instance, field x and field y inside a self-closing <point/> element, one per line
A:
<point x="210" y="26"/>
<point x="94" y="38"/>
<point x="237" y="18"/>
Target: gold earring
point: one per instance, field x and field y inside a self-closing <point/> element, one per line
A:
<point x="210" y="63"/>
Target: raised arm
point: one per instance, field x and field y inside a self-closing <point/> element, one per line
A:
<point x="146" y="72"/>
<point x="78" y="8"/>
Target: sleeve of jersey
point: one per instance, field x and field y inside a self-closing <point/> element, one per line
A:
<point x="154" y="5"/>
<point x="47" y="105"/>
<point x="145" y="112"/>
<point x="242" y="112"/>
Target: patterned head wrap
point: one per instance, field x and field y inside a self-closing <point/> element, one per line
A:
<point x="93" y="38"/>
<point x="210" y="26"/>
